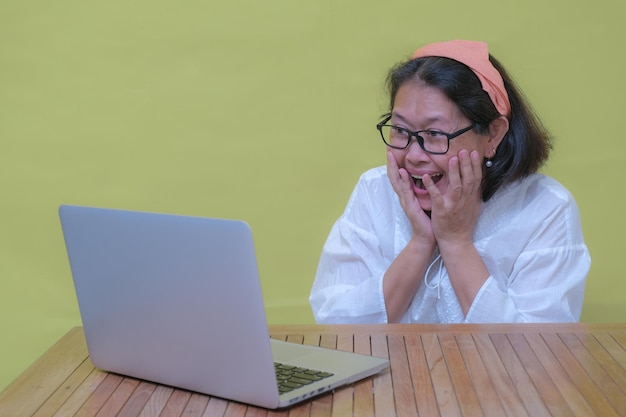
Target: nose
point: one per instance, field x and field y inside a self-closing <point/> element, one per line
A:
<point x="415" y="153"/>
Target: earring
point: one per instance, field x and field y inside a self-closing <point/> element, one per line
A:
<point x="489" y="163"/>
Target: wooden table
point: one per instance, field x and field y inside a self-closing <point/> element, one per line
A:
<point x="452" y="370"/>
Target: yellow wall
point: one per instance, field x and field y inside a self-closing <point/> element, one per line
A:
<point x="265" y="111"/>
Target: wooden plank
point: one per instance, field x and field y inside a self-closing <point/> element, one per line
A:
<point x="23" y="397"/>
<point x="343" y="398"/>
<point x="311" y="339"/>
<point x="403" y="392"/>
<point x="118" y="398"/>
<point x="519" y="377"/>
<point x="215" y="408"/>
<point x="604" y="357"/>
<point x="442" y="384"/>
<point x="138" y="399"/>
<point x="295" y="338"/>
<point x="321" y="406"/>
<point x="300" y="410"/>
<point x="100" y="395"/>
<point x="620" y="337"/>
<point x="610" y="390"/>
<point x="234" y="409"/>
<point x="78" y="398"/>
<point x="345" y="342"/>
<point x="343" y="402"/>
<point x="459" y="376"/>
<point x="507" y="392"/>
<point x="196" y="405"/>
<point x="614" y="346"/>
<point x="328" y="341"/>
<point x="250" y="412"/>
<point x="549" y="393"/>
<point x="156" y="402"/>
<point x="572" y="397"/>
<point x="65" y="390"/>
<point x="423" y="389"/>
<point x="485" y="391"/>
<point x="304" y="409"/>
<point x="363" y="397"/>
<point x="383" y="389"/>
<point x="175" y="404"/>
<point x="579" y="376"/>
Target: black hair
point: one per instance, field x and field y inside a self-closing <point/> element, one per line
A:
<point x="524" y="148"/>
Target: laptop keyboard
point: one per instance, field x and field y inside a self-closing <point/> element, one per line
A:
<point x="291" y="377"/>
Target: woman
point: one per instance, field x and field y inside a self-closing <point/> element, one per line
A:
<point x="459" y="226"/>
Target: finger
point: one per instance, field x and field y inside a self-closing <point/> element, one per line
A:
<point x="454" y="175"/>
<point x="435" y="195"/>
<point x="468" y="176"/>
<point x="477" y="166"/>
<point x="392" y="168"/>
<point x="398" y="177"/>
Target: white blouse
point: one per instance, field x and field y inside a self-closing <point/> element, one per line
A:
<point x="529" y="236"/>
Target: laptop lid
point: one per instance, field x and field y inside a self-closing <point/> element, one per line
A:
<point x="177" y="300"/>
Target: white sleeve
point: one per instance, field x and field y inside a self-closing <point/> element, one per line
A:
<point x="348" y="282"/>
<point x="549" y="287"/>
<point x="538" y="266"/>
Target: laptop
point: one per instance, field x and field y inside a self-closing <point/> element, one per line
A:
<point x="177" y="300"/>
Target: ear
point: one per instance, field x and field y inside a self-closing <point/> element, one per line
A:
<point x="497" y="130"/>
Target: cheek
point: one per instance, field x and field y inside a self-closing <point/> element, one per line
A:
<point x="442" y="161"/>
<point x="473" y="142"/>
<point x="399" y="155"/>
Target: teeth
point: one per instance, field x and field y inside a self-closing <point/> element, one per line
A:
<point x="419" y="177"/>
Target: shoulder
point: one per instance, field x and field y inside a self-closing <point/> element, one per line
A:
<point x="548" y="184"/>
<point x="535" y="189"/>
<point x="374" y="175"/>
<point x="373" y="192"/>
<point x="539" y="189"/>
<point x="374" y="181"/>
<point x="539" y="203"/>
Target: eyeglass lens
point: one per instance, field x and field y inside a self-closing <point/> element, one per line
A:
<point x="431" y="141"/>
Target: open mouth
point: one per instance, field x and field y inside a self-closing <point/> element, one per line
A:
<point x="417" y="179"/>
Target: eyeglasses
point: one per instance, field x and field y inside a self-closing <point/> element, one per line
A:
<point x="430" y="140"/>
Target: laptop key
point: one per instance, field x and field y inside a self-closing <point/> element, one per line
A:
<point x="308" y="377"/>
<point x="291" y="377"/>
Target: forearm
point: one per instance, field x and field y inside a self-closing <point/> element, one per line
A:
<point x="466" y="270"/>
<point x="403" y="278"/>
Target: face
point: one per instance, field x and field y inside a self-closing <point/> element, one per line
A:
<point x="418" y="106"/>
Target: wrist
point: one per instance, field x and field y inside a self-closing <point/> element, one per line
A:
<point x="420" y="245"/>
<point x="456" y="249"/>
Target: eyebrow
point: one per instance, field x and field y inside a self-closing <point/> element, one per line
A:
<point x="426" y="121"/>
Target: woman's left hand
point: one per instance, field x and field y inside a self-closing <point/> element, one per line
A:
<point x="455" y="212"/>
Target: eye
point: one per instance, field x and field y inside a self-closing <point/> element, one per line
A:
<point x="435" y="134"/>
<point x="399" y="131"/>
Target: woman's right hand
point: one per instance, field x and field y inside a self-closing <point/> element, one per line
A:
<point x="402" y="184"/>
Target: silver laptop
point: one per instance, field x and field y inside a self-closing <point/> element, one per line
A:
<point x="177" y="300"/>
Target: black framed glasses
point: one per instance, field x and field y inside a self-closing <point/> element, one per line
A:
<point x="430" y="140"/>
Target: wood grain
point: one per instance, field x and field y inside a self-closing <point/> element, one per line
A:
<point x="449" y="370"/>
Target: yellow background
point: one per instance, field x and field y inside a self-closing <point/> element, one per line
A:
<point x="265" y="111"/>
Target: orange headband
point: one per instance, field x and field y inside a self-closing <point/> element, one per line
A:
<point x="476" y="56"/>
